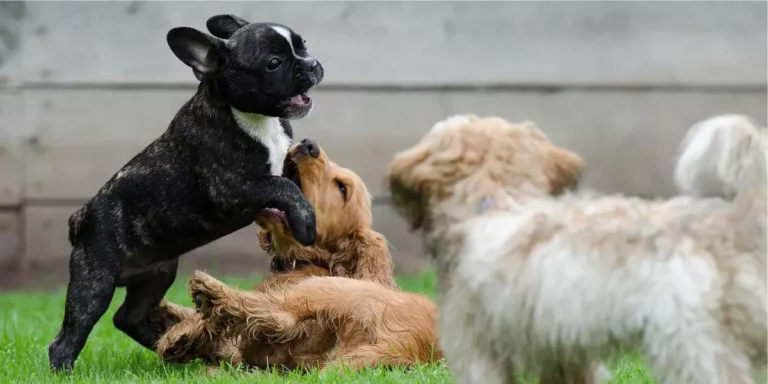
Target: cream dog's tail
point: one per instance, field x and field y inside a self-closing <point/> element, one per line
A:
<point x="723" y="156"/>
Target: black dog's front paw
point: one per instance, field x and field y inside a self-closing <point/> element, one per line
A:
<point x="301" y="219"/>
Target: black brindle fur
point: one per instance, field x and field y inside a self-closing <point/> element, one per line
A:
<point x="202" y="179"/>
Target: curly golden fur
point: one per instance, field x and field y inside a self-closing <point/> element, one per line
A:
<point x="325" y="322"/>
<point x="346" y="243"/>
<point x="330" y="320"/>
<point x="555" y="284"/>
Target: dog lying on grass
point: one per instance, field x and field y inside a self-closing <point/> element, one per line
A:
<point x="295" y="318"/>
<point x="557" y="284"/>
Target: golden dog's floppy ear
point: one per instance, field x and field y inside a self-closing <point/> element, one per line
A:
<point x="563" y="169"/>
<point x="364" y="256"/>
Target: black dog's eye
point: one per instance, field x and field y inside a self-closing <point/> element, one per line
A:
<point x="273" y="64"/>
<point x="342" y="189"/>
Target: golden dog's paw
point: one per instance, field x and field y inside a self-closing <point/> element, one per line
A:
<point x="174" y="347"/>
<point x="205" y="291"/>
<point x="201" y="281"/>
<point x="213" y="300"/>
<point x="202" y="303"/>
<point x="187" y="340"/>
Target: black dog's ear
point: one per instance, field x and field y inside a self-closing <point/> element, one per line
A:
<point x="200" y="51"/>
<point x="223" y="26"/>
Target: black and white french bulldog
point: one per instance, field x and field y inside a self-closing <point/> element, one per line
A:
<point x="216" y="166"/>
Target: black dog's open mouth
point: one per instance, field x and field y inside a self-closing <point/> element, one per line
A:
<point x="300" y="100"/>
<point x="291" y="170"/>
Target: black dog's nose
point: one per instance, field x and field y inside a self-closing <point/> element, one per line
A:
<point x="309" y="147"/>
<point x="309" y="64"/>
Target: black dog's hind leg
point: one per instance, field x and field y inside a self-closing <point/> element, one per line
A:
<point x="141" y="297"/>
<point x="92" y="278"/>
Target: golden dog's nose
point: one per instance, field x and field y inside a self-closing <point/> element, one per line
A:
<point x="309" y="147"/>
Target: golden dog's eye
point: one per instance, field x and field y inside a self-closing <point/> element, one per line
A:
<point x="342" y="189"/>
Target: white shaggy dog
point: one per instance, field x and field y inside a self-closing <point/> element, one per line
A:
<point x="557" y="284"/>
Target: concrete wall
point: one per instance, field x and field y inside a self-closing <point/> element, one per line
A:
<point x="84" y="86"/>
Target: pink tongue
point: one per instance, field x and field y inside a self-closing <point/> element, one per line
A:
<point x="298" y="99"/>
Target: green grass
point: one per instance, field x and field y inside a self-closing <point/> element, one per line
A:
<point x="29" y="321"/>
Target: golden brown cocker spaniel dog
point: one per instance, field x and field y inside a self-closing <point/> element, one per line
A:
<point x="332" y="303"/>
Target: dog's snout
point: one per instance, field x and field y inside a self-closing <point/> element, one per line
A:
<point x="309" y="147"/>
<point x="309" y="64"/>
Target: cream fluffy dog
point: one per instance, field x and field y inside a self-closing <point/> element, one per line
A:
<point x="557" y="284"/>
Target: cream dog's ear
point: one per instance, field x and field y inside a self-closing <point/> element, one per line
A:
<point x="407" y="184"/>
<point x="563" y="169"/>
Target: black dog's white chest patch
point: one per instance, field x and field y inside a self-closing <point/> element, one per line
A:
<point x="268" y="131"/>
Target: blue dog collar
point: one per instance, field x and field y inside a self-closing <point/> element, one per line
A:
<point x="485" y="204"/>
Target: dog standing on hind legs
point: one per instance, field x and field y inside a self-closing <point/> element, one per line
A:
<point x="217" y="165"/>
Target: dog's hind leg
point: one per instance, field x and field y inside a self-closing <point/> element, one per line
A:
<point x="92" y="279"/>
<point x="275" y="314"/>
<point x="166" y="314"/>
<point x="141" y="298"/>
<point x="719" y="371"/>
<point x="189" y="339"/>
<point x="242" y="313"/>
<point x="581" y="373"/>
<point x="482" y="367"/>
<point x="696" y="356"/>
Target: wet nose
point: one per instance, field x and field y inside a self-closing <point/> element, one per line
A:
<point x="309" y="64"/>
<point x="309" y="147"/>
